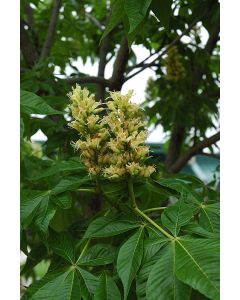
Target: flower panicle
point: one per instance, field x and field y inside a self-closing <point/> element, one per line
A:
<point x="112" y="141"/>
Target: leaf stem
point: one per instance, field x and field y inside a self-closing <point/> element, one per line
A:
<point x="141" y="213"/>
<point x="84" y="249"/>
<point x="154" y="209"/>
<point x="131" y="192"/>
<point x="153" y="223"/>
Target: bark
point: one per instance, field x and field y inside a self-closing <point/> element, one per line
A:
<point x="197" y="149"/>
<point x="29" y="52"/>
<point x="120" y="64"/>
<point x="51" y="30"/>
<point x="176" y="141"/>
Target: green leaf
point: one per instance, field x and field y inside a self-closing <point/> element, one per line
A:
<point x="115" y="17"/>
<point x="63" y="200"/>
<point x="33" y="104"/>
<point x="177" y="215"/>
<point x="162" y="10"/>
<point x="62" y="244"/>
<point x="30" y="204"/>
<point x="58" y="285"/>
<point x="210" y="217"/>
<point x="181" y="186"/>
<point x="73" y="164"/>
<point x="152" y="253"/>
<point x="70" y="183"/>
<point x="98" y="255"/>
<point x="109" y="226"/>
<point x="45" y="213"/>
<point x="193" y="228"/>
<point x="136" y="11"/>
<point x="107" y="289"/>
<point x="129" y="259"/>
<point x="89" y="283"/>
<point x="197" y="264"/>
<point x="162" y="283"/>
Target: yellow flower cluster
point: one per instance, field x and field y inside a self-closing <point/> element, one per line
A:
<point x="175" y="69"/>
<point x="111" y="144"/>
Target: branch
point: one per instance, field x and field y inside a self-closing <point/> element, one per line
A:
<point x="28" y="50"/>
<point x="182" y="160"/>
<point x="119" y="67"/>
<point x="174" y="42"/>
<point x="88" y="80"/>
<point x="51" y="30"/>
<point x="103" y="51"/>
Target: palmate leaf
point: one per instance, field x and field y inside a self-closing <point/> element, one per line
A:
<point x="177" y="215"/>
<point x="33" y="104"/>
<point x="68" y="283"/>
<point x="109" y="226"/>
<point x="197" y="264"/>
<point x="136" y="11"/>
<point x="162" y="283"/>
<point x="129" y="259"/>
<point x="107" y="289"/>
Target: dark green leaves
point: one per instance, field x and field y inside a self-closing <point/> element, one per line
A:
<point x="129" y="259"/>
<point x="35" y="206"/>
<point x="33" y="104"/>
<point x="109" y="226"/>
<point x="162" y="283"/>
<point x="62" y="244"/>
<point x="98" y="255"/>
<point x="136" y="11"/>
<point x="70" y="183"/>
<point x="69" y="283"/>
<point x="107" y="289"/>
<point x="210" y="217"/>
<point x="177" y="215"/>
<point x="197" y="264"/>
<point x="115" y="17"/>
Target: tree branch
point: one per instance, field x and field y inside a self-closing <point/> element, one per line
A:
<point x="119" y="67"/>
<point x="103" y="51"/>
<point x="88" y="80"/>
<point x="174" y="42"/>
<point x="183" y="159"/>
<point x="51" y="30"/>
<point x="28" y="50"/>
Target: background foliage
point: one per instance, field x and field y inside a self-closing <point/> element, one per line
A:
<point x="60" y="209"/>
